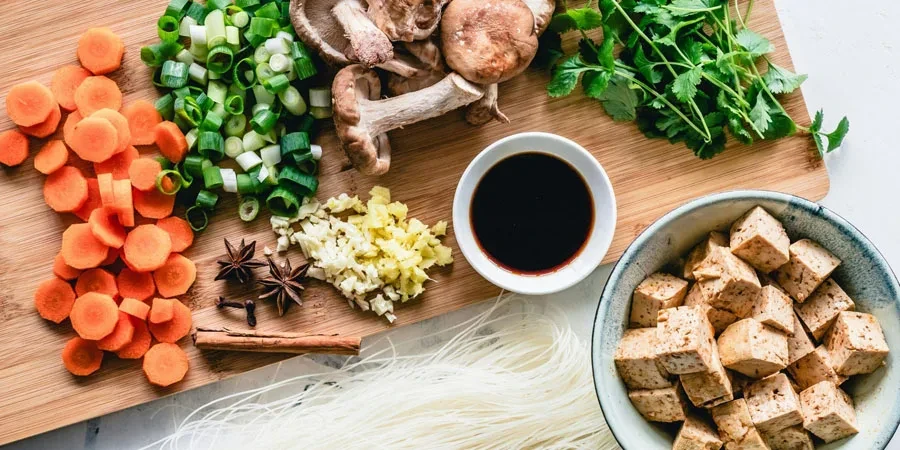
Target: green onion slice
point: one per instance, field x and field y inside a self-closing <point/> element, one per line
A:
<point x="207" y="200"/>
<point x="275" y="84"/>
<point x="245" y="74"/>
<point x="249" y="208"/>
<point x="196" y="217"/>
<point x="212" y="122"/>
<point x="187" y="109"/>
<point x="269" y="11"/>
<point x="236" y="125"/>
<point x="246" y="3"/>
<point x="283" y="202"/>
<point x="177" y="181"/>
<point x="212" y="178"/>
<point x="165" y="105"/>
<point x="193" y="165"/>
<point x="298" y="182"/>
<point x="264" y="121"/>
<point x="219" y="58"/>
<point x="297" y="141"/>
<point x="174" y="74"/>
<point x="154" y="55"/>
<point x="167" y="28"/>
<point x="175" y="8"/>
<point x="234" y="104"/>
<point x="211" y="145"/>
<point x="196" y="11"/>
<point x="245" y="184"/>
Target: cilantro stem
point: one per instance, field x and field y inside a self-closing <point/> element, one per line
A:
<point x="737" y="9"/>
<point x="662" y="98"/>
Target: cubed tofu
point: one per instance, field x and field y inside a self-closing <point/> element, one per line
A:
<point x="814" y="368"/>
<point x="753" y="349"/>
<point x="739" y="382"/>
<point x="704" y="388"/>
<point x="728" y="282"/>
<point x="828" y="412"/>
<point x="752" y="441"/>
<point x="774" y="308"/>
<point x="790" y="438"/>
<point x="696" y="434"/>
<point x="760" y="239"/>
<point x="733" y="420"/>
<point x="799" y="343"/>
<point x="856" y="344"/>
<point x="656" y="292"/>
<point x="702" y="250"/>
<point x="660" y="405"/>
<point x="685" y="339"/>
<point x="636" y="360"/>
<point x="823" y="306"/>
<point x="810" y="264"/>
<point x="773" y="404"/>
<point x="720" y="319"/>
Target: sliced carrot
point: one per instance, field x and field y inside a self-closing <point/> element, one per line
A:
<point x="81" y="357"/>
<point x="54" y="299"/>
<point x="94" y="139"/>
<point x="52" y="156"/>
<point x="65" y="81"/>
<point x="153" y="204"/>
<point x="94" y="315"/>
<point x="140" y="342"/>
<point x="171" y="141"/>
<point x="124" y="202"/>
<point x="13" y="148"/>
<point x="142" y="119"/>
<point x="105" y="184"/>
<point x="176" y="276"/>
<point x="147" y="248"/>
<point x="180" y="232"/>
<point x="120" y="336"/>
<point x="47" y="127"/>
<point x="165" y="364"/>
<point x="175" y="329"/>
<point x="118" y="164"/>
<point x="100" y="50"/>
<point x="96" y="280"/>
<point x="65" y="190"/>
<point x="135" y="308"/>
<point x="93" y="201"/>
<point x="120" y="123"/>
<point x="136" y="285"/>
<point x="143" y="172"/>
<point x="63" y="270"/>
<point x="96" y="93"/>
<point x="29" y="103"/>
<point x="111" y="257"/>
<point x="162" y="310"/>
<point x="80" y="249"/>
<point x="105" y="225"/>
<point x="69" y="127"/>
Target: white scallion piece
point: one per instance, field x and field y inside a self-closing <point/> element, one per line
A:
<point x="279" y="63"/>
<point x="316" y="151"/>
<point x="253" y="141"/>
<point x="233" y="35"/>
<point x="248" y="161"/>
<point x="198" y="73"/>
<point x="260" y="55"/>
<point x="198" y="35"/>
<point x="240" y="19"/>
<point x="263" y="174"/>
<point x="270" y="137"/>
<point x="262" y="95"/>
<point x="320" y="97"/>
<point x="259" y="107"/>
<point x="191" y="137"/>
<point x="278" y="45"/>
<point x="200" y="51"/>
<point x="215" y="76"/>
<point x="292" y="101"/>
<point x="234" y="147"/>
<point x="229" y="180"/>
<point x="185" y="56"/>
<point x="184" y="28"/>
<point x="271" y="155"/>
<point x="285" y="35"/>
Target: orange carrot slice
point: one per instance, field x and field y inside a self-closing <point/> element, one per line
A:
<point x="105" y="184"/>
<point x="54" y="299"/>
<point x="142" y="120"/>
<point x="94" y="139"/>
<point x="171" y="141"/>
<point x="165" y="364"/>
<point x="123" y="201"/>
<point x="174" y="329"/>
<point x="52" y="156"/>
<point x="111" y="257"/>
<point x="63" y="270"/>
<point x="96" y="93"/>
<point x="81" y="357"/>
<point x="136" y="285"/>
<point x="120" y="123"/>
<point x="93" y="201"/>
<point x="180" y="232"/>
<point x="69" y="127"/>
<point x="65" y="190"/>
<point x="65" y="81"/>
<point x="96" y="280"/>
<point x="13" y="148"/>
<point x="100" y="50"/>
<point x="134" y="308"/>
<point x="143" y="172"/>
<point x="162" y="310"/>
<point x="106" y="227"/>
<point x="29" y="103"/>
<point x="147" y="248"/>
<point x="47" y="127"/>
<point x="140" y="342"/>
<point x="80" y="249"/>
<point x="120" y="336"/>
<point x="118" y="164"/>
<point x="94" y="315"/>
<point x="153" y="204"/>
<point x="176" y="276"/>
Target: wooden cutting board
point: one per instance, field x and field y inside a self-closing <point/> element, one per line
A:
<point x="650" y="177"/>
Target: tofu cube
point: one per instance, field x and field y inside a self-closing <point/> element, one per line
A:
<point x="810" y="264"/>
<point x="773" y="404"/>
<point x="685" y="339"/>
<point x="704" y="388"/>
<point x="856" y="344"/>
<point x="702" y="251"/>
<point x="753" y="349"/>
<point x="636" y="360"/>
<point x="728" y="282"/>
<point x="790" y="438"/>
<point x="814" y="368"/>
<point x="760" y="239"/>
<point x="752" y="441"/>
<point x="799" y="343"/>
<point x="720" y="319"/>
<point x="733" y="420"/>
<point x="823" y="306"/>
<point x="828" y="412"/>
<point x="660" y="405"/>
<point x="696" y="434"/>
<point x="656" y="292"/>
<point x="774" y="308"/>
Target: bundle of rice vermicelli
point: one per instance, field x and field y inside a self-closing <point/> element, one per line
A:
<point x="511" y="377"/>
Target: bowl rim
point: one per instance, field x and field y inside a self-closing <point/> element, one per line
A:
<point x="639" y="241"/>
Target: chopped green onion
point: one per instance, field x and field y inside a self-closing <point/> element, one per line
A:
<point x="217" y="91"/>
<point x="187" y="109"/>
<point x="175" y="9"/>
<point x="195" y="11"/>
<point x="182" y="92"/>
<point x="244" y="74"/>
<point x="215" y="28"/>
<point x="307" y="124"/>
<point x="269" y="137"/>
<point x="276" y="84"/>
<point x="234" y="147"/>
<point x="229" y="180"/>
<point x="269" y="11"/>
<point x="205" y="164"/>
<point x="234" y="104"/>
<point x="198" y="73"/>
<point x="264" y="121"/>
<point x="262" y="95"/>
<point x="283" y="202"/>
<point x="164" y="162"/>
<point x="321" y="113"/>
<point x="260" y="55"/>
<point x="154" y="55"/>
<point x="245" y="184"/>
<point x="316" y="151"/>
<point x="264" y="71"/>
<point x="207" y="200"/>
<point x="212" y="178"/>
<point x="218" y="109"/>
<point x="253" y="141"/>
<point x="185" y="56"/>
<point x="197" y="217"/>
<point x="292" y="101"/>
<point x="167" y="28"/>
<point x="219" y="58"/>
<point x="320" y="97"/>
<point x="193" y="164"/>
<point x="259" y="107"/>
<point x="308" y="166"/>
<point x="211" y="145"/>
<point x="285" y="10"/>
<point x="240" y="19"/>
<point x="280" y="63"/>
<point x="294" y="142"/>
<point x="271" y="155"/>
<point x="233" y="36"/>
<point x="217" y="5"/>
<point x="174" y="74"/>
<point x="204" y="101"/>
<point x="198" y="35"/>
<point x="249" y="208"/>
<point x="165" y="105"/>
<point x="286" y="36"/>
<point x="248" y="161"/>
<point x="297" y="181"/>
<point x="174" y="177"/>
<point x="212" y="122"/>
<point x="184" y="28"/>
<point x="263" y="27"/>
<point x="199" y="51"/>
<point x="303" y="62"/>
<point x="245" y="4"/>
<point x="254" y="39"/>
<point x="278" y="45"/>
<point x="236" y="125"/>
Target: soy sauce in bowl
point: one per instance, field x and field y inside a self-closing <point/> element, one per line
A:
<point x="532" y="213"/>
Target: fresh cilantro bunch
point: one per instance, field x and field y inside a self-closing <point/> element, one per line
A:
<point x="685" y="70"/>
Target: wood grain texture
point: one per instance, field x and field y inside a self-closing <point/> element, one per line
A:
<point x="650" y="177"/>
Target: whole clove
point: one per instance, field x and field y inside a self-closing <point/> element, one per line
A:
<point x="249" y="306"/>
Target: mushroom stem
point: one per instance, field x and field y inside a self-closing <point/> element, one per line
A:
<point x="369" y="45"/>
<point x="486" y="108"/>
<point x="402" y="65"/>
<point x="448" y="94"/>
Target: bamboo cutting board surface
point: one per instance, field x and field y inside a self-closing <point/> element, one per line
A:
<point x="650" y="177"/>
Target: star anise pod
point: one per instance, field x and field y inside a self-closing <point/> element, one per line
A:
<point x="240" y="263"/>
<point x="283" y="284"/>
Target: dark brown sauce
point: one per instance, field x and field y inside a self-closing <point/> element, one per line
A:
<point x="532" y="213"/>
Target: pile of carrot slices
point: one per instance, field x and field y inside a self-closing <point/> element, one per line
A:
<point x="117" y="274"/>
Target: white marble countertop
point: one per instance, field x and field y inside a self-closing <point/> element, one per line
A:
<point x="850" y="51"/>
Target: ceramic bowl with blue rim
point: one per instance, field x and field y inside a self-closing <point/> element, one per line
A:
<point x="864" y="274"/>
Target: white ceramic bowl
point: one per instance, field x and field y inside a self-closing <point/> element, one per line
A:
<point x="604" y="213"/>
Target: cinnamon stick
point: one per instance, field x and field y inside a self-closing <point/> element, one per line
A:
<point x="274" y="342"/>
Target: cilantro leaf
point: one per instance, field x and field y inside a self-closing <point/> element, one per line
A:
<point x="645" y="66"/>
<point x="814" y="130"/>
<point x="583" y="19"/>
<point x="587" y="48"/>
<point x="781" y="126"/>
<point x="605" y="52"/>
<point x="782" y="81"/>
<point x="595" y="83"/>
<point x="688" y="7"/>
<point x="565" y="76"/>
<point x="619" y="100"/>
<point x="836" y="137"/>
<point x="760" y="113"/>
<point x="753" y="42"/>
<point x="549" y="51"/>
<point x="685" y="85"/>
<point x="736" y="127"/>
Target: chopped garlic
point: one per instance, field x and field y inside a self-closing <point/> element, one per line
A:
<point x="267" y="251"/>
<point x="283" y="244"/>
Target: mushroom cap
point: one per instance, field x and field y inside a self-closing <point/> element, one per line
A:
<point x="370" y="155"/>
<point x="543" y="12"/>
<point x="318" y="28"/>
<point x="488" y="41"/>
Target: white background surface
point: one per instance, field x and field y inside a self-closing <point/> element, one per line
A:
<point x="850" y="51"/>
